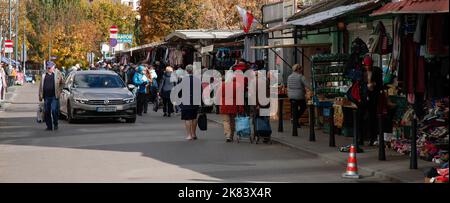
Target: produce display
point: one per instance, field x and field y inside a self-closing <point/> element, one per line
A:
<point x="328" y="75"/>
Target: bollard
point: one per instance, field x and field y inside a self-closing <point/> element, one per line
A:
<point x="280" y="115"/>
<point x="312" y="136"/>
<point x="381" y="145"/>
<point x="294" y="121"/>
<point x="355" y="129"/>
<point x="413" y="163"/>
<point x="332" y="142"/>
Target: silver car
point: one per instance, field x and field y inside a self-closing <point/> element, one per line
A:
<point x="97" y="94"/>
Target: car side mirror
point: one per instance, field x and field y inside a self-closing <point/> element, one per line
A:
<point x="131" y="86"/>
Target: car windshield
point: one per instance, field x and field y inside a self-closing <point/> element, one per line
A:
<point x="97" y="81"/>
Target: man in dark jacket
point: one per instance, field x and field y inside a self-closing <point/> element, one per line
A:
<point x="373" y="81"/>
<point x="49" y="91"/>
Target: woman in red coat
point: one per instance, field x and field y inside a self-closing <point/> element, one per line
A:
<point x="228" y="105"/>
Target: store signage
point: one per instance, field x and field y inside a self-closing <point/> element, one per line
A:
<point x="124" y="38"/>
<point x="207" y="49"/>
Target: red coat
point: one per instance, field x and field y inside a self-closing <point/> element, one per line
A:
<point x="241" y="67"/>
<point x="230" y="109"/>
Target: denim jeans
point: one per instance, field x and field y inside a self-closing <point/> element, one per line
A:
<point x="51" y="112"/>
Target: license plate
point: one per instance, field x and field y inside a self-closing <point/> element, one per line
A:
<point x="106" y="109"/>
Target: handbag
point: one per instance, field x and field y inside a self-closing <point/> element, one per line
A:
<point x="242" y="124"/>
<point x="202" y="122"/>
<point x="156" y="104"/>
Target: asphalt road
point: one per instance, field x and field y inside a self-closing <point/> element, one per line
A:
<point x="151" y="150"/>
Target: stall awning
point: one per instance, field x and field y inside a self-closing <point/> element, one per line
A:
<point x="201" y="34"/>
<point x="318" y="18"/>
<point x="324" y="16"/>
<point x="151" y="45"/>
<point x="414" y="6"/>
<point x="290" y="46"/>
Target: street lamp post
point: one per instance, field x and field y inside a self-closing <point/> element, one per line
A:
<point x="16" y="33"/>
<point x="24" y="48"/>
<point x="10" y="33"/>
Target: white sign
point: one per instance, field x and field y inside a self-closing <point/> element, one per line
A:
<point x="105" y="47"/>
<point x="207" y="49"/>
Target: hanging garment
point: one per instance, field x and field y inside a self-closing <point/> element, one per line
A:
<point x="413" y="66"/>
<point x="396" y="46"/>
<point x="435" y="37"/>
<point x="338" y="116"/>
<point x="179" y="55"/>
<point x="166" y="55"/>
<point x="381" y="44"/>
<point x="418" y="32"/>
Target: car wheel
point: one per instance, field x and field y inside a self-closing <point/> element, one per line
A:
<point x="130" y="120"/>
<point x="69" y="114"/>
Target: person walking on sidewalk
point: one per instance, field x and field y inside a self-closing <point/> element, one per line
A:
<point x="228" y="105"/>
<point x="296" y="89"/>
<point x="189" y="111"/>
<point x="150" y="92"/>
<point x="49" y="90"/>
<point x="3" y="79"/>
<point x="141" y="81"/>
<point x="167" y="84"/>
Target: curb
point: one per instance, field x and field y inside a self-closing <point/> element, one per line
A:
<point x="372" y="172"/>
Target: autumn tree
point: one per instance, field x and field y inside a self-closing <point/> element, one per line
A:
<point x="69" y="29"/>
<point x="160" y="17"/>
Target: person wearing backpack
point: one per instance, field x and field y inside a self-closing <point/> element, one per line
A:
<point x="296" y="89"/>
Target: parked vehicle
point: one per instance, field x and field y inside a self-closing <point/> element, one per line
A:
<point x="97" y="94"/>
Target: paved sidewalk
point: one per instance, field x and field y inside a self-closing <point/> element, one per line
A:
<point x="395" y="168"/>
<point x="9" y="96"/>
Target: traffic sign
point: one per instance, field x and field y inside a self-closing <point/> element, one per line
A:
<point x="113" y="42"/>
<point x="113" y="31"/>
<point x="8" y="46"/>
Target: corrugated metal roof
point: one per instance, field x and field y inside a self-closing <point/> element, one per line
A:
<point x="414" y="6"/>
<point x="327" y="15"/>
<point x="320" y="17"/>
<point x="154" y="44"/>
<point x="201" y="34"/>
<point x="322" y="5"/>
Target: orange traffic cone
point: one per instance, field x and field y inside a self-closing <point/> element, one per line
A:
<point x="352" y="168"/>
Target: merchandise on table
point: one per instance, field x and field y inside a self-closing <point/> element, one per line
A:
<point x="433" y="134"/>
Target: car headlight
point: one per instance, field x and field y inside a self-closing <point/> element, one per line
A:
<point x="129" y="100"/>
<point x="81" y="100"/>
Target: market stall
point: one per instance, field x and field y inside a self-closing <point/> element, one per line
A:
<point x="419" y="83"/>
